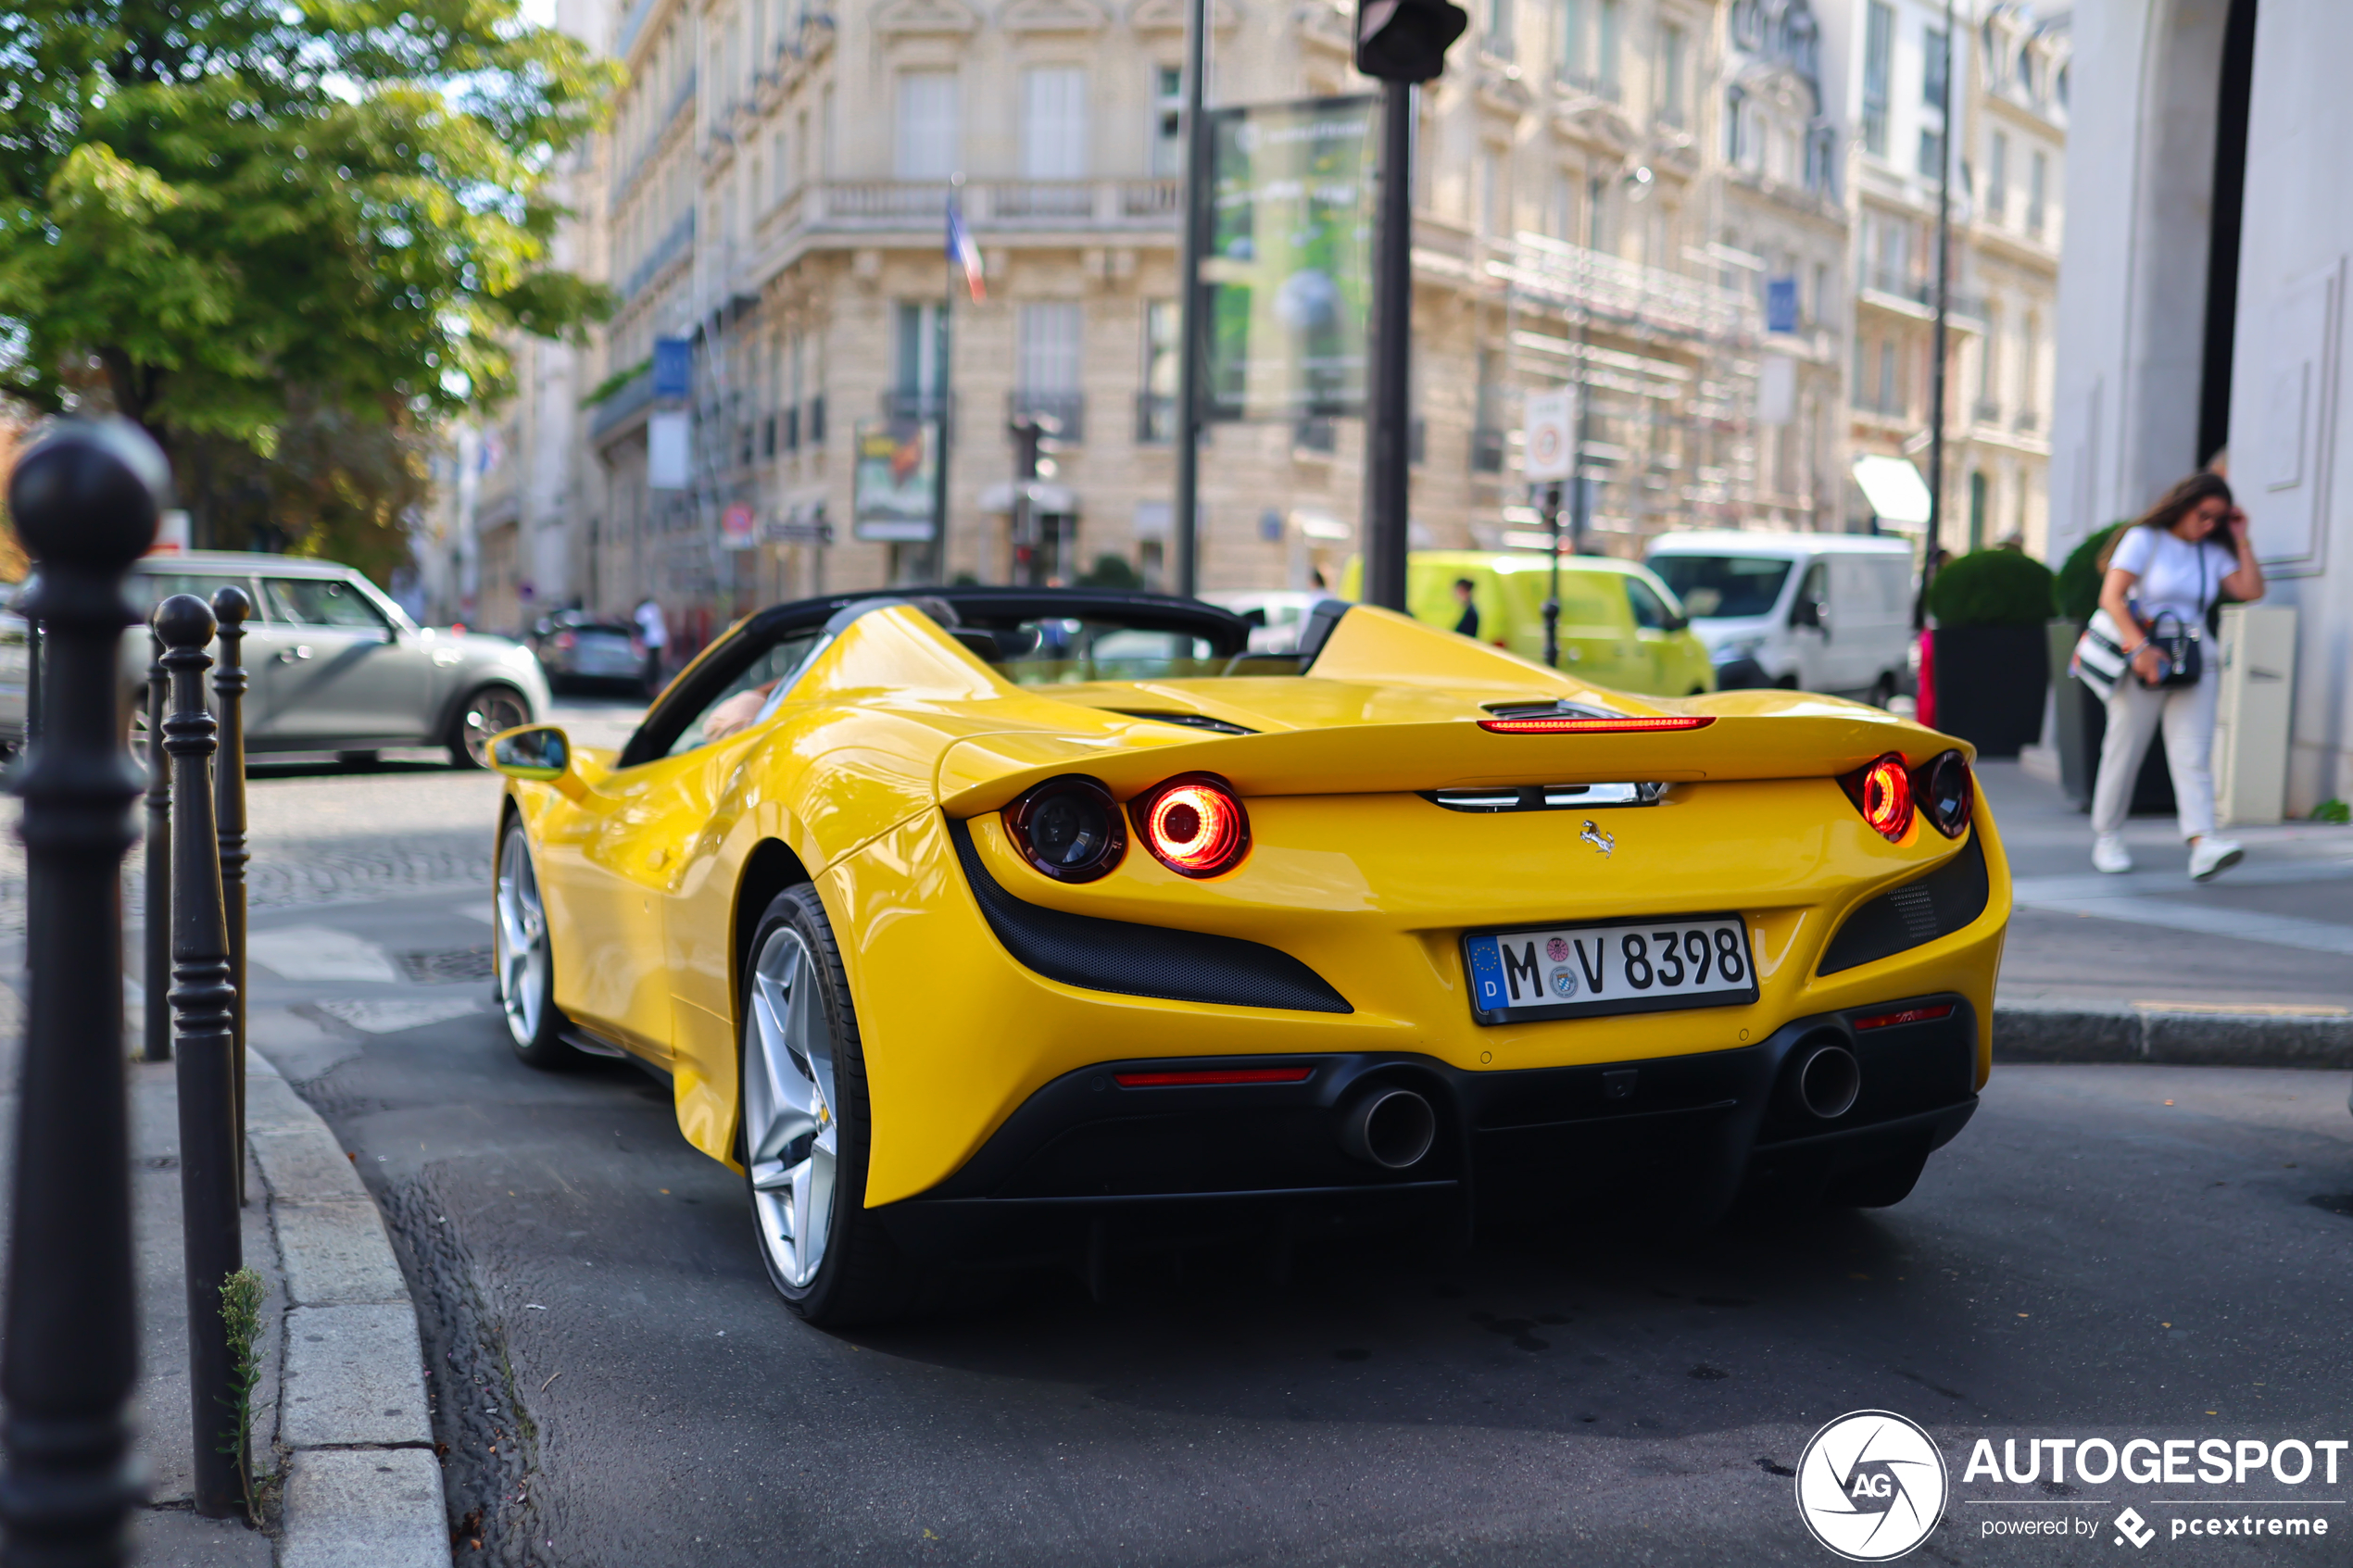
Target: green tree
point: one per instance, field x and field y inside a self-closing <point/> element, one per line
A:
<point x="270" y="227"/>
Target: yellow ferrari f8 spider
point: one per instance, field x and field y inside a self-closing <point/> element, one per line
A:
<point x="997" y="926"/>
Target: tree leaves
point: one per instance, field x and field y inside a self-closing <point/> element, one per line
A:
<point x="231" y="219"/>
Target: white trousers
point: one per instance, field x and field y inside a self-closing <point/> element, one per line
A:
<point x="2134" y="714"/>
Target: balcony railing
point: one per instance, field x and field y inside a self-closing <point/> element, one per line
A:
<point x="2028" y="420"/>
<point x="1068" y="408"/>
<point x="902" y="204"/>
<point x="1570" y="277"/>
<point x="1986" y="411"/>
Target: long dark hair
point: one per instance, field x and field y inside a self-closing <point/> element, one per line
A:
<point x="2173" y="506"/>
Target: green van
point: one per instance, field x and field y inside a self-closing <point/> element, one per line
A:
<point x="1620" y="626"/>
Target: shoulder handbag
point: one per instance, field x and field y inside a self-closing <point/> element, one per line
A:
<point x="2100" y="661"/>
<point x="2179" y="659"/>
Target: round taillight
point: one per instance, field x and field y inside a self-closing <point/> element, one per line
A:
<point x="1068" y="828"/>
<point x="1946" y="792"/>
<point x="1194" y="825"/>
<point x="1886" y="797"/>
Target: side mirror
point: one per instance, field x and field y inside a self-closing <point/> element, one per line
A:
<point x="1678" y="622"/>
<point x="1806" y="612"/>
<point x="538" y="752"/>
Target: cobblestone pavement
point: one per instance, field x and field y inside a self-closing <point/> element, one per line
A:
<point x="323" y="833"/>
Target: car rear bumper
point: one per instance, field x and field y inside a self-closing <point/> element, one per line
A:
<point x="1088" y="1161"/>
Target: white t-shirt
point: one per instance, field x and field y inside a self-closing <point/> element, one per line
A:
<point x="2170" y="573"/>
<point x="649" y="626"/>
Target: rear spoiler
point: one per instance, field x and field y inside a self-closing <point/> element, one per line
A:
<point x="1800" y="738"/>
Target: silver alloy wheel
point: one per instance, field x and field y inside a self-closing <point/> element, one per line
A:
<point x="791" y="1136"/>
<point x="522" y="938"/>
<point x="490" y="712"/>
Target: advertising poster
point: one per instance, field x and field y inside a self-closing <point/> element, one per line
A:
<point x="891" y="488"/>
<point x="1289" y="264"/>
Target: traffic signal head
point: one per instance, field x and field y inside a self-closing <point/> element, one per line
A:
<point x="1407" y="39"/>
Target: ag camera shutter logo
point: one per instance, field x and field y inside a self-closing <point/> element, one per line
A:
<point x="1870" y="1486"/>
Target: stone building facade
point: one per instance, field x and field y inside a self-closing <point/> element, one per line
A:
<point x="2007" y="148"/>
<point x="1607" y="191"/>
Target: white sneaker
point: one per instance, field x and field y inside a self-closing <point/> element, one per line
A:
<point x="2108" y="853"/>
<point x="2210" y="857"/>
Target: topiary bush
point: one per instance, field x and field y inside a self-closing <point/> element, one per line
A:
<point x="2078" y="588"/>
<point x="1992" y="588"/>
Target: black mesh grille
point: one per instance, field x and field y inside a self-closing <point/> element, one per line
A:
<point x="1142" y="960"/>
<point x="1938" y="904"/>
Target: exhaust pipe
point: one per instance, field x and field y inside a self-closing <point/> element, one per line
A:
<point x="1827" y="1079"/>
<point x="1390" y="1127"/>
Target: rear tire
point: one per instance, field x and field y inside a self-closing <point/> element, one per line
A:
<point x="523" y="957"/>
<point x="805" y="1127"/>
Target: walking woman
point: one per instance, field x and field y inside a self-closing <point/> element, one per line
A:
<point x="2163" y="574"/>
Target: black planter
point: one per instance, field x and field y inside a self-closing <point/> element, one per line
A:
<point x="2083" y="725"/>
<point x="1990" y="682"/>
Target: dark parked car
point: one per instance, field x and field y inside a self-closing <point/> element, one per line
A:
<point x="577" y="649"/>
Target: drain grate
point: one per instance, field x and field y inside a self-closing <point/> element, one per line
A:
<point x="447" y="967"/>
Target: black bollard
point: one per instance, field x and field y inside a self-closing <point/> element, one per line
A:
<point x="157" y="1047"/>
<point x="205" y="1025"/>
<point x="33" y="684"/>
<point x="84" y="498"/>
<point x="230" y="607"/>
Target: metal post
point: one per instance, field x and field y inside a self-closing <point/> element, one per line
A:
<point x="1388" y="437"/>
<point x="157" y="1044"/>
<point x="230" y="607"/>
<point x="86" y="499"/>
<point x="1553" y="596"/>
<point x="943" y="349"/>
<point x="34" y="660"/>
<point x="1944" y="307"/>
<point x="203" y="1010"/>
<point x="1580" y="496"/>
<point x="1192" y="320"/>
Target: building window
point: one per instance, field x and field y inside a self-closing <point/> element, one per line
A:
<point x="1890" y="396"/>
<point x="1977" y="509"/>
<point x="1879" y="50"/>
<point x="914" y="387"/>
<point x="1670" y="74"/>
<point x="1168" y="121"/>
<point x="1156" y="403"/>
<point x="1932" y="154"/>
<point x="1498" y="39"/>
<point x="1047" y="363"/>
<point x="1572" y="41"/>
<point x="928" y="116"/>
<point x="1053" y="132"/>
<point x="1997" y="176"/>
<point x="1936" y="57"/>
<point x="2038" y="177"/>
<point x="1606" y="61"/>
<point x="1491" y="192"/>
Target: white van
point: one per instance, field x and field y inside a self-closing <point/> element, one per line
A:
<point x="1820" y="612"/>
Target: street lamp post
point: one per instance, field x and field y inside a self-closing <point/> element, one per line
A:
<point x="1943" y="307"/>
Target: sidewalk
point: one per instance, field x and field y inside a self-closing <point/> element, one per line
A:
<point x="2254" y="968"/>
<point x="342" y="1444"/>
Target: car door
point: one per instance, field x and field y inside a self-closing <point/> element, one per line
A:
<point x="1597" y="630"/>
<point x="330" y="668"/>
<point x="615" y="861"/>
<point x="1658" y="657"/>
<point x="1810" y="629"/>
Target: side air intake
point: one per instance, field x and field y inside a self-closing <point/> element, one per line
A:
<point x="1936" y="904"/>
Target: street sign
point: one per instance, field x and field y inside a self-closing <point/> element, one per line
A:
<point x="1551" y="431"/>
<point x="737" y="528"/>
<point x="1781" y="305"/>
<point x="673" y="362"/>
<point x="669" y="464"/>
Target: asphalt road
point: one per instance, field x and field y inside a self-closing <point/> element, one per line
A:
<point x="2104" y="1251"/>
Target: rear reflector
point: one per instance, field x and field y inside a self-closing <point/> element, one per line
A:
<point x="1213" y="1075"/>
<point x="1562" y="724"/>
<point x="1909" y="1015"/>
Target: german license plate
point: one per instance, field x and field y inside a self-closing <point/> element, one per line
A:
<point x="1593" y="970"/>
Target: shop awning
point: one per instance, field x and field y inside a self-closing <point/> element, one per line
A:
<point x="1895" y="488"/>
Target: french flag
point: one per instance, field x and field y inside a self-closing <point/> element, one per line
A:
<point x="961" y="251"/>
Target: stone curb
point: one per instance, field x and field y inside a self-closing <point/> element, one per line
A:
<point x="363" y="1486"/>
<point x="2180" y="1038"/>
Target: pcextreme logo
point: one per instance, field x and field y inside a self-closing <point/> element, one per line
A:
<point x="1871" y="1485"/>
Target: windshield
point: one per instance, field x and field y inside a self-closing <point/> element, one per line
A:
<point x="1720" y="587"/>
<point x="1068" y="650"/>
